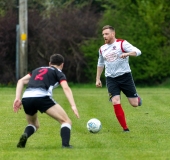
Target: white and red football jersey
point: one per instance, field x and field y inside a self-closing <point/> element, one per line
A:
<point x="109" y="56"/>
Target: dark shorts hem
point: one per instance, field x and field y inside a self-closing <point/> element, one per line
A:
<point x="123" y="83"/>
<point x="32" y="105"/>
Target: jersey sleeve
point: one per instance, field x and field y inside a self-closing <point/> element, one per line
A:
<point x="100" y="59"/>
<point x="61" y="76"/>
<point x="127" y="47"/>
<point x="30" y="73"/>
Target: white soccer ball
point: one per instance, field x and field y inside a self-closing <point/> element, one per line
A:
<point x="94" y="125"/>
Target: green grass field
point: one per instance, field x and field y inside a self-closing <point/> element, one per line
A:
<point x="148" y="138"/>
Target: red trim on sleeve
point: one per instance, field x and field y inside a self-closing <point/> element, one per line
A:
<point x="30" y="74"/>
<point x="62" y="80"/>
<point x="121" y="45"/>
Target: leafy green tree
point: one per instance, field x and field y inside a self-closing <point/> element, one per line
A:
<point x="73" y="28"/>
<point x="62" y="32"/>
<point x="142" y="23"/>
<point x="5" y="6"/>
<point x="7" y="47"/>
<point x="58" y="30"/>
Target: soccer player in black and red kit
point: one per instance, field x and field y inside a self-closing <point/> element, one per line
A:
<point x="38" y="97"/>
<point x="114" y="55"/>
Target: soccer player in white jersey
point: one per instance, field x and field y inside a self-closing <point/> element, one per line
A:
<point x="38" y="97"/>
<point x="114" y="56"/>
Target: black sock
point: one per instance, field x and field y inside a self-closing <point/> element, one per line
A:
<point x="65" y="136"/>
<point x="29" y="130"/>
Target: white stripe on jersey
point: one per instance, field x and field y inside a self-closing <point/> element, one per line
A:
<point x="38" y="92"/>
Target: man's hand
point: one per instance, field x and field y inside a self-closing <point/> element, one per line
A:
<point x="124" y="55"/>
<point x="75" y="111"/>
<point x="98" y="83"/>
<point x="17" y="105"/>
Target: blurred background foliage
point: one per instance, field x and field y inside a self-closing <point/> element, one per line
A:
<point x="73" y="29"/>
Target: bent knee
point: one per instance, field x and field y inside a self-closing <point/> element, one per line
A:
<point x="67" y="120"/>
<point x="115" y="100"/>
<point x="134" y="104"/>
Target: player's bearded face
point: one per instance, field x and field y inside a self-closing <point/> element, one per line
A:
<point x="108" y="36"/>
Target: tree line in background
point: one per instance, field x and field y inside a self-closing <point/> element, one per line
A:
<point x="73" y="29"/>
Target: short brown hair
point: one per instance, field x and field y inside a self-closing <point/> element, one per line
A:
<point x="56" y="59"/>
<point x="108" y="27"/>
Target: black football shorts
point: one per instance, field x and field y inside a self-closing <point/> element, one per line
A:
<point x="33" y="104"/>
<point x="122" y="83"/>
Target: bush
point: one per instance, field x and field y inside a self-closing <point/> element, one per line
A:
<point x="7" y="47"/>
